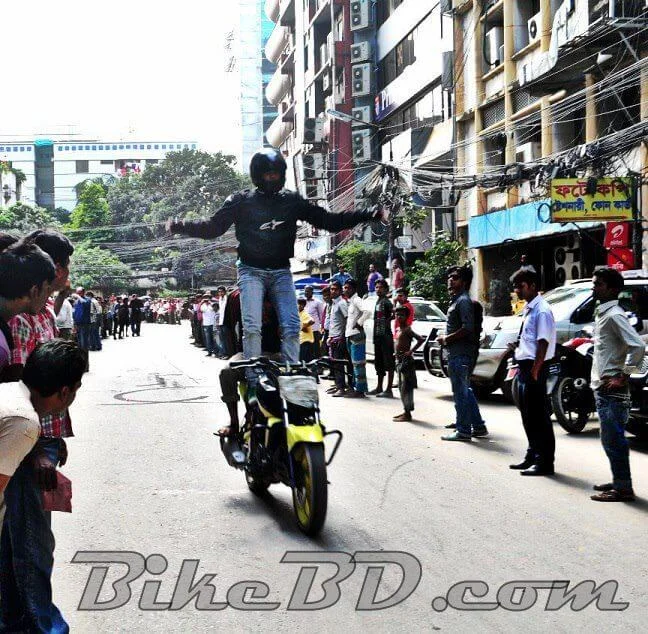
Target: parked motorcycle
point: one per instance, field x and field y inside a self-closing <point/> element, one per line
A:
<point x="282" y="439"/>
<point x="572" y="397"/>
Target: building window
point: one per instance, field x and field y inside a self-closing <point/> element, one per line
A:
<point x="106" y="162"/>
<point x="141" y="146"/>
<point x="407" y="51"/>
<point x="128" y="147"/>
<point x="94" y="147"/>
<point x="193" y="146"/>
<point x="87" y="147"/>
<point x="156" y="147"/>
<point x="386" y="9"/>
<point x="148" y="147"/>
<point x="164" y="146"/>
<point x="67" y="148"/>
<point x="22" y="149"/>
<point x="82" y="167"/>
<point x="114" y="147"/>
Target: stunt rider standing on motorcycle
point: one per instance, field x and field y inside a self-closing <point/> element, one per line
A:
<point x="265" y="221"/>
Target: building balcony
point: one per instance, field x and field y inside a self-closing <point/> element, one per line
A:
<point x="579" y="33"/>
<point x="277" y="42"/>
<point x="287" y="13"/>
<point x="279" y="131"/>
<point x="272" y="9"/>
<point x="278" y="87"/>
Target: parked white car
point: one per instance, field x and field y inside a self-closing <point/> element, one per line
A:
<point x="427" y="316"/>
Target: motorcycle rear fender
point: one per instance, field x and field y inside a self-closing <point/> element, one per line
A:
<point x="303" y="433"/>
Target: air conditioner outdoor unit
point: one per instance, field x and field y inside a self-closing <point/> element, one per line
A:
<point x="535" y="27"/>
<point x="361" y="145"/>
<point x="313" y="131"/>
<point x="361" y="80"/>
<point x="567" y="262"/>
<point x="494" y="41"/>
<point x="312" y="166"/>
<point x="528" y="152"/>
<point x="326" y="81"/>
<point x="360" y="52"/>
<point x="361" y="114"/>
<point x="359" y="14"/>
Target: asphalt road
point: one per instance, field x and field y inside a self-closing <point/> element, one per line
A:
<point x="149" y="478"/>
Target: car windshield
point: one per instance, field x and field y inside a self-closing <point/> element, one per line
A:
<point x="566" y="299"/>
<point x="427" y="312"/>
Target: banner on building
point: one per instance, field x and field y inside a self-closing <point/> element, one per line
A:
<point x="576" y="200"/>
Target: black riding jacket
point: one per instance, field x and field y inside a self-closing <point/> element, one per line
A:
<point x="266" y="225"/>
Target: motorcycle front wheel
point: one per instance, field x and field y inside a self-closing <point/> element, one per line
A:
<point x="570" y="416"/>
<point x="310" y="493"/>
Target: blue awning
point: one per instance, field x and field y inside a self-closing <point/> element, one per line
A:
<point x="518" y="223"/>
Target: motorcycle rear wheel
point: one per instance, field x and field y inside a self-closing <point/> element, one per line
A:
<point x="310" y="493"/>
<point x="572" y="420"/>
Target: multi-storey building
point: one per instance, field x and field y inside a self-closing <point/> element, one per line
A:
<point x="311" y="45"/>
<point x="413" y="104"/>
<point x="53" y="168"/>
<point x="543" y="89"/>
<point x="254" y="72"/>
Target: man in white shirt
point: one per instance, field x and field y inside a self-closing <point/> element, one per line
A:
<point x="208" y="322"/>
<point x="64" y="319"/>
<point x="356" y="340"/>
<point x="537" y="344"/>
<point x="223" y="334"/>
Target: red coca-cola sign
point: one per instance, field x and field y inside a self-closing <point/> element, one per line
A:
<point x="617" y="234"/>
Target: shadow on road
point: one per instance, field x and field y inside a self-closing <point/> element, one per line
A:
<point x="278" y="510"/>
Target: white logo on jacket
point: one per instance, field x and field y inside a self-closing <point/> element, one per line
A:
<point x="272" y="225"/>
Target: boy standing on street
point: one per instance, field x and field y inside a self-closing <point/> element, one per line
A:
<point x="306" y="335"/>
<point x="405" y="363"/>
<point x="383" y="340"/>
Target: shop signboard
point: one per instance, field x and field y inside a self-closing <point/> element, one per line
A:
<point x="577" y="200"/>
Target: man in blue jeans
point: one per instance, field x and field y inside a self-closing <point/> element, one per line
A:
<point x="461" y="342"/>
<point x="52" y="373"/>
<point x="617" y="349"/>
<point x="265" y="221"/>
<point x="82" y="318"/>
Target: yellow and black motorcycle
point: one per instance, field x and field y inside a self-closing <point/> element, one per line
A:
<point x="282" y="439"/>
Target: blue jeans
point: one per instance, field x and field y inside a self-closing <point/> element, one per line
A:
<point x="27" y="554"/>
<point x="218" y="341"/>
<point x="468" y="416"/>
<point x="278" y="285"/>
<point x="613" y="410"/>
<point x="208" y="332"/>
<point x="83" y="336"/>
<point x="95" y="336"/>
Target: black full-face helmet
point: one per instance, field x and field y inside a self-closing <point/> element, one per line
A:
<point x="264" y="161"/>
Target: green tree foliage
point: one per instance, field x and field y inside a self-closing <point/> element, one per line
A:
<point x="22" y="218"/>
<point x="357" y="256"/>
<point x="98" y="269"/>
<point x="93" y="209"/>
<point x="428" y="276"/>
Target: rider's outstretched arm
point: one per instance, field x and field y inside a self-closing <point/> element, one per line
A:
<point x="216" y="226"/>
<point x="322" y="219"/>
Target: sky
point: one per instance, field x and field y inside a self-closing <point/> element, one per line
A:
<point x="118" y="70"/>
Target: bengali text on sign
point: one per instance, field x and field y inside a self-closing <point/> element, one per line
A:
<point x="571" y="202"/>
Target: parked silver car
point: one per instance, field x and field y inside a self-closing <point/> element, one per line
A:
<point x="428" y="318"/>
<point x="573" y="308"/>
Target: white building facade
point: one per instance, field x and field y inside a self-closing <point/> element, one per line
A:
<point x="53" y="168"/>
